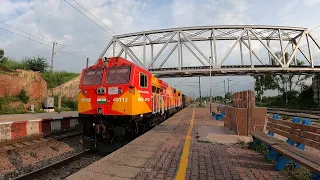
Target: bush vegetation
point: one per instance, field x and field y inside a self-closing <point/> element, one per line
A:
<point x="5" y="109"/>
<point x="23" y="97"/>
<point x="66" y="104"/>
<point x="54" y="79"/>
<point x="28" y="63"/>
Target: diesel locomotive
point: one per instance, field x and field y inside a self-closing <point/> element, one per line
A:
<point x="118" y="99"/>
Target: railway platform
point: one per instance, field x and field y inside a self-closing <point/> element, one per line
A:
<point x="17" y="126"/>
<point x="36" y="116"/>
<point x="189" y="145"/>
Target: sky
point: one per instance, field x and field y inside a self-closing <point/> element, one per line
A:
<point x="56" y="21"/>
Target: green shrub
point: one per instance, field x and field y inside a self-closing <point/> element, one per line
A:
<point x="36" y="63"/>
<point x="5" y="109"/>
<point x="54" y="79"/>
<point x="260" y="148"/>
<point x="23" y="97"/>
<point x="9" y="64"/>
<point x="66" y="104"/>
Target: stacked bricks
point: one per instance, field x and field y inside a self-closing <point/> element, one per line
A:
<point x="244" y="117"/>
<point x="21" y="129"/>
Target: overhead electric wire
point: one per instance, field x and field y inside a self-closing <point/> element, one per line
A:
<point x="26" y="32"/>
<point x="62" y="46"/>
<point x="87" y="42"/>
<point x="98" y="20"/>
<point x="25" y="37"/>
<point x="87" y="17"/>
<point x="315" y="28"/>
<point x="38" y="42"/>
<point x="95" y="17"/>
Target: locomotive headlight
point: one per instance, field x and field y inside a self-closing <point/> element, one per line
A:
<point x="99" y="110"/>
<point x="101" y="90"/>
<point x="84" y="92"/>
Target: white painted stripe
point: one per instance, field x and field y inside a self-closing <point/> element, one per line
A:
<point x="6" y="123"/>
<point x="35" y="120"/>
<point x="5" y="131"/>
<point x="33" y="127"/>
<point x="73" y="122"/>
<point x="55" y="125"/>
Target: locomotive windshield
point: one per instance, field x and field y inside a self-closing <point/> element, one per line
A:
<point x="92" y="77"/>
<point x="118" y="75"/>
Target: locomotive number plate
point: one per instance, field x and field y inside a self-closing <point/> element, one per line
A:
<point x="85" y="99"/>
<point x="143" y="99"/>
<point x="120" y="100"/>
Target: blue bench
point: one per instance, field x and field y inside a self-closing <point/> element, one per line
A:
<point x="297" y="134"/>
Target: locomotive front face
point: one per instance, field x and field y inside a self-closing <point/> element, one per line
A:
<point x="118" y="89"/>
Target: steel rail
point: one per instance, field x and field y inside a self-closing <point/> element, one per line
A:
<point x="48" y="168"/>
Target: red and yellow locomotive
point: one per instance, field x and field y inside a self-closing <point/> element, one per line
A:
<point x="119" y="98"/>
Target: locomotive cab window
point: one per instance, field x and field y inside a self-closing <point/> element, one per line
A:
<point x="143" y="80"/>
<point x="92" y="77"/>
<point x="118" y="75"/>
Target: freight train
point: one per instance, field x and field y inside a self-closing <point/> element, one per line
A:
<point x="118" y="99"/>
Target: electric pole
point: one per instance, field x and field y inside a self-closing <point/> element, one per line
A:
<point x="228" y="86"/>
<point x="225" y="95"/>
<point x="52" y="56"/>
<point x="210" y="59"/>
<point x="87" y="63"/>
<point x="200" y="91"/>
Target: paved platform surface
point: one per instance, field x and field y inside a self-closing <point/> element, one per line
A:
<point x="36" y="116"/>
<point x="173" y="150"/>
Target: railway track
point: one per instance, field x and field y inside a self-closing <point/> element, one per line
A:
<point x="311" y="114"/>
<point x="48" y="168"/>
<point x="36" y="140"/>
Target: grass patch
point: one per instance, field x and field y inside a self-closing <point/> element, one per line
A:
<point x="290" y="171"/>
<point x="297" y="173"/>
<point x="54" y="79"/>
<point x="242" y="143"/>
<point x="6" y="109"/>
<point x="260" y="148"/>
<point x="66" y="104"/>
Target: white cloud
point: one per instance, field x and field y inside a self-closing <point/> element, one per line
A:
<point x="311" y="2"/>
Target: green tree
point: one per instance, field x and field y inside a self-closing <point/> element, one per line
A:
<point x="37" y="63"/>
<point x="285" y="84"/>
<point x="3" y="60"/>
<point x="263" y="83"/>
<point x="1" y="54"/>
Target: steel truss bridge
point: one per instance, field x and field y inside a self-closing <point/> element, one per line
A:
<point x="284" y="60"/>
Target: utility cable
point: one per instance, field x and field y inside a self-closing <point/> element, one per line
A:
<point x="95" y="17"/>
<point x="62" y="46"/>
<point x="87" y="17"/>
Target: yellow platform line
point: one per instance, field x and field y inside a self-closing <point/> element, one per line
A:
<point x="185" y="152"/>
